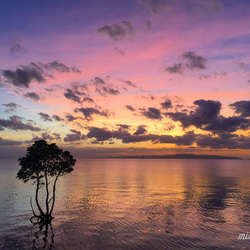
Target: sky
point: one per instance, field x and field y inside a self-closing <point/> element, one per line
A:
<point x="106" y="78"/>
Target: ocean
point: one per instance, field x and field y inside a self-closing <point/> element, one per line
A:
<point x="133" y="204"/>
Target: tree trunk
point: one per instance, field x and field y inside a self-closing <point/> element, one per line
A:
<point x="47" y="193"/>
<point x="54" y="195"/>
<point x="37" y="202"/>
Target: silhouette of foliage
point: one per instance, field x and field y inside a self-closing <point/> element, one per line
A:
<point x="43" y="164"/>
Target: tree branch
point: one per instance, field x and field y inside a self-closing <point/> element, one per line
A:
<point x="54" y="194"/>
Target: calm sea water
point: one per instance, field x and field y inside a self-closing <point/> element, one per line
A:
<point x="134" y="204"/>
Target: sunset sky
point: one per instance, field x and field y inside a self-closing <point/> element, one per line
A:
<point x="131" y="77"/>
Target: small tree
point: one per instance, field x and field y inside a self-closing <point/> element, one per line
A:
<point x="44" y="163"/>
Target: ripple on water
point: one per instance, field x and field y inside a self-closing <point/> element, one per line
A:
<point x="171" y="205"/>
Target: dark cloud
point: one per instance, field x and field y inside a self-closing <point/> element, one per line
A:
<point x="57" y="136"/>
<point x="74" y="136"/>
<point x="206" y="111"/>
<point x="129" y="107"/>
<point x="187" y="139"/>
<point x="70" y="118"/>
<point x="118" y="31"/>
<point x="167" y="104"/>
<point x="201" y="77"/>
<point x="76" y="70"/>
<point x="4" y="142"/>
<point x="152" y="113"/>
<point x="214" y="75"/>
<point x="103" y="88"/>
<point x="121" y="132"/>
<point x="181" y="117"/>
<point x="45" y="117"/>
<point x="89" y="112"/>
<point x="97" y="142"/>
<point x="110" y="90"/>
<point x="32" y="95"/>
<point x="54" y="136"/>
<point x="88" y="99"/>
<point x="98" y="81"/>
<point x="72" y="96"/>
<point x="215" y="142"/>
<point x="230" y="141"/>
<point x="227" y="124"/>
<point x="45" y="136"/>
<point x="222" y="140"/>
<point x="101" y="134"/>
<point x="11" y="107"/>
<point x="16" y="123"/>
<point x="119" y="51"/>
<point x="140" y="130"/>
<point x="100" y="84"/>
<point x="57" y="118"/>
<point x="17" y="48"/>
<point x="168" y="126"/>
<point x="177" y="68"/>
<point x="194" y="61"/>
<point x="79" y="89"/>
<point x="49" y="90"/>
<point x="55" y="65"/>
<point x="147" y="97"/>
<point x="242" y="108"/>
<point x="129" y="83"/>
<point x="179" y="106"/>
<point x="139" y="138"/>
<point x="244" y="66"/>
<point x="123" y="126"/>
<point x="207" y="117"/>
<point x="24" y="75"/>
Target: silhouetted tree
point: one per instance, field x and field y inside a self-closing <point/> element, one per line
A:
<point x="44" y="163"/>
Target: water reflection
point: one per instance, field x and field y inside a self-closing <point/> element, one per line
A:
<point x="147" y="204"/>
<point x="43" y="236"/>
<point x="180" y="203"/>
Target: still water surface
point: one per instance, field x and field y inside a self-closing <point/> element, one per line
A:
<point x="134" y="204"/>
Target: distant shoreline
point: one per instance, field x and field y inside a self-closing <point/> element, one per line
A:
<point x="173" y="156"/>
<point x="178" y="156"/>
